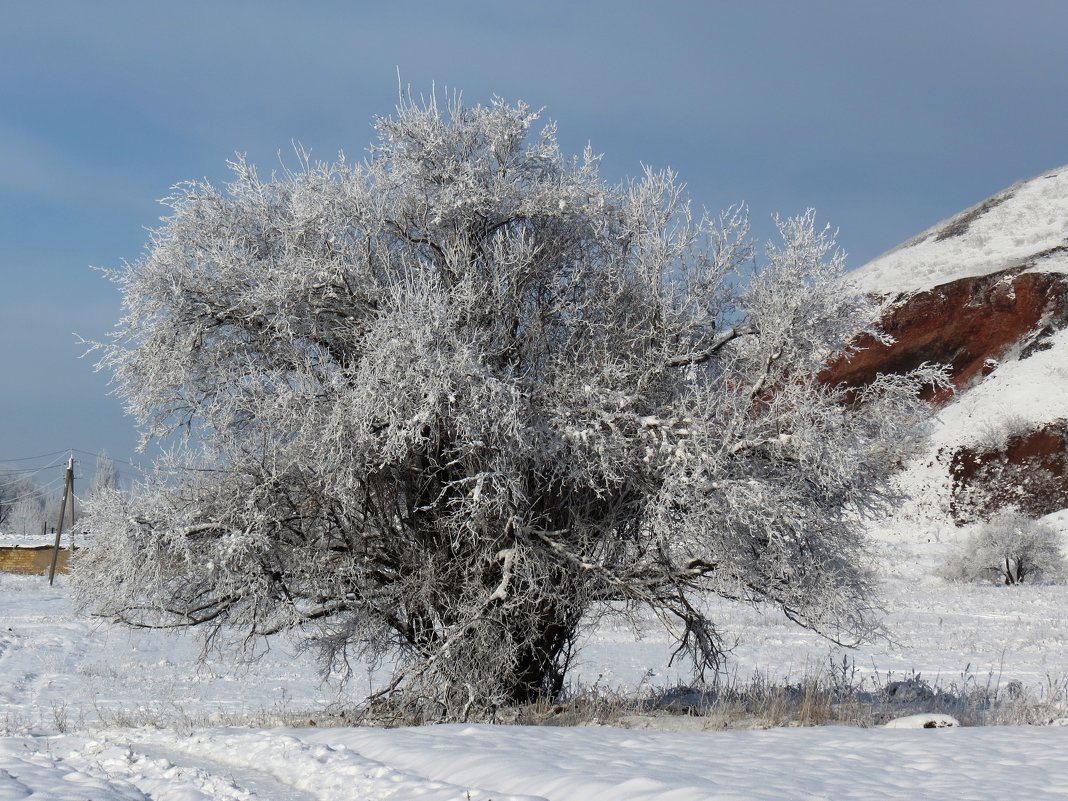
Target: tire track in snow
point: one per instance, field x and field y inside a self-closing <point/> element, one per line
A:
<point x="249" y="783"/>
<point x="163" y="774"/>
<point x="277" y="766"/>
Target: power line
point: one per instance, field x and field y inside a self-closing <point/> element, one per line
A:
<point x="109" y="456"/>
<point x="10" y="477"/>
<point x="37" y="492"/>
<point x="32" y="458"/>
<point x="5" y="473"/>
<point x="4" y="461"/>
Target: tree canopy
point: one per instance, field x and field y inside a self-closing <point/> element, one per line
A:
<point x="447" y="404"/>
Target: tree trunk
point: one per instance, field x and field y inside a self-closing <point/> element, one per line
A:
<point x="542" y="661"/>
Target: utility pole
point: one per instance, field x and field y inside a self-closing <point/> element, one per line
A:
<point x="68" y="492"/>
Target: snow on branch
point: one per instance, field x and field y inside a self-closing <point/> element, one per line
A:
<point x="448" y="403"/>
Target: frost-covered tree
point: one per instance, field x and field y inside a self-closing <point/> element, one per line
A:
<point x="105" y="476"/>
<point x="9" y="490"/>
<point x="448" y="404"/>
<point x="21" y="503"/>
<point x="1010" y="548"/>
<point x="27" y="516"/>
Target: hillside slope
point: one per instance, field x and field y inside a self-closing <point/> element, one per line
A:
<point x="1022" y="228"/>
<point x="985" y="292"/>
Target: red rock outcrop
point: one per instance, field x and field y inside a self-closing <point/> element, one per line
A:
<point x="1029" y="472"/>
<point x="968" y="324"/>
<point x="972" y="324"/>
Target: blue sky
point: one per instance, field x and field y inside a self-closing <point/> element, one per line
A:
<point x="885" y="117"/>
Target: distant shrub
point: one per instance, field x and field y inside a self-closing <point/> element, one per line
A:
<point x="1010" y="548"/>
<point x="996" y="433"/>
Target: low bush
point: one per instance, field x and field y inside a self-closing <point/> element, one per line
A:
<point x="1010" y="548"/>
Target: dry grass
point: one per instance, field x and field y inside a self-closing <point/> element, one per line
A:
<point x="837" y="695"/>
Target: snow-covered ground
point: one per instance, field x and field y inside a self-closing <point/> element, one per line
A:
<point x="947" y="633"/>
<point x="91" y="710"/>
<point x="485" y="763"/>
<point x="96" y="711"/>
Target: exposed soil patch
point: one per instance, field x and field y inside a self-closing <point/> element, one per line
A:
<point x="968" y="325"/>
<point x="1029" y="473"/>
<point x="971" y="325"/>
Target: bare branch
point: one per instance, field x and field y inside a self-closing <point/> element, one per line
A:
<point x="721" y="339"/>
<point x="430" y="413"/>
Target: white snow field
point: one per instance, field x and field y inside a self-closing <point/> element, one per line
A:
<point x="486" y="763"/>
<point x="91" y="710"/>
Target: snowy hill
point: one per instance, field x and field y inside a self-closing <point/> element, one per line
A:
<point x="1023" y="227"/>
<point x="987" y="293"/>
